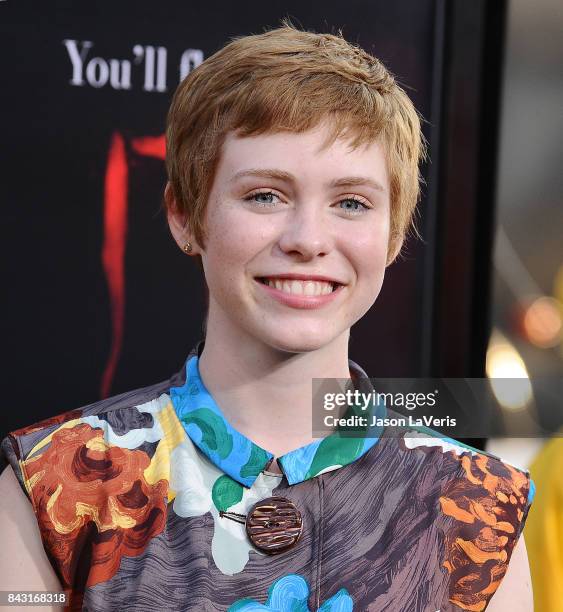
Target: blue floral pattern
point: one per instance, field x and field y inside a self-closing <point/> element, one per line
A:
<point x="290" y="594"/>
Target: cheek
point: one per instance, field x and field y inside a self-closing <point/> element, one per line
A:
<point x="371" y="245"/>
<point x="233" y="240"/>
<point x="368" y="254"/>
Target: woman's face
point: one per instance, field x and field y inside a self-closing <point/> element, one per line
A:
<point x="279" y="206"/>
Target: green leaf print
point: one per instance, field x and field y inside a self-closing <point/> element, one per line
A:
<point x="214" y="434"/>
<point x="226" y="493"/>
<point x="255" y="464"/>
<point x="335" y="450"/>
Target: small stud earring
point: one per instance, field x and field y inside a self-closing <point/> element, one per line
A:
<point x="187" y="247"/>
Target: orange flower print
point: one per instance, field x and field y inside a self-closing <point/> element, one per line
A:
<point x="93" y="503"/>
<point x="488" y="504"/>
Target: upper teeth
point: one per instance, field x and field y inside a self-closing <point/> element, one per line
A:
<point x="300" y="287"/>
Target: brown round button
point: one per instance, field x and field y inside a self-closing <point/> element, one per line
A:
<point x="274" y="525"/>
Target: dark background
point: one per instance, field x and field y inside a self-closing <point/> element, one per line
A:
<point x="431" y="318"/>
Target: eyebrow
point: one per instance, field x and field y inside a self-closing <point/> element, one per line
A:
<point x="272" y="173"/>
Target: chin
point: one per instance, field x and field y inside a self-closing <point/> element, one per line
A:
<point x="300" y="341"/>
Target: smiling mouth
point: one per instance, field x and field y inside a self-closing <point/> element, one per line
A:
<point x="300" y="287"/>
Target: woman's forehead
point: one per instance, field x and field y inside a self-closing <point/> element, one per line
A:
<point x="286" y="156"/>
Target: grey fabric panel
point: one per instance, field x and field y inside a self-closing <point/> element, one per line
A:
<point x="9" y="450"/>
<point x="382" y="529"/>
<point x="123" y="420"/>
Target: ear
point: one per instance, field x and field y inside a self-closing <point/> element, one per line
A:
<point x="176" y="221"/>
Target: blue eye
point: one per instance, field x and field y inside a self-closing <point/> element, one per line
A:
<point x="263" y="203"/>
<point x="354" y="211"/>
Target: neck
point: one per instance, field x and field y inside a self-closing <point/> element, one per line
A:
<point x="266" y="393"/>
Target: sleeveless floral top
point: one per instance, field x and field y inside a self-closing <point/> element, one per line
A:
<point x="130" y="495"/>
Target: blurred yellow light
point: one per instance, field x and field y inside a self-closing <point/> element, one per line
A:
<point x="504" y="362"/>
<point x="542" y="322"/>
<point x="558" y="285"/>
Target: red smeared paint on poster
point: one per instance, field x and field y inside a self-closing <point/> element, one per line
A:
<point x="113" y="250"/>
<point x="150" y="146"/>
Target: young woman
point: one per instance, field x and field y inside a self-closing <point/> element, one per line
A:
<point x="293" y="177"/>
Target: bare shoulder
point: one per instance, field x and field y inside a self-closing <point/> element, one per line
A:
<point x="515" y="590"/>
<point x="23" y="564"/>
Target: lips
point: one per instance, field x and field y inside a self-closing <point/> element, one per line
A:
<point x="300" y="300"/>
<point x="301" y="277"/>
<point x="300" y="287"/>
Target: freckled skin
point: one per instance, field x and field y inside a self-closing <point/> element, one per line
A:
<point x="305" y="227"/>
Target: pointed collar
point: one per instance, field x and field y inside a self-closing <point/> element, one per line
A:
<point x="242" y="459"/>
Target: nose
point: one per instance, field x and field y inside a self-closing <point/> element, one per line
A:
<point x="306" y="233"/>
